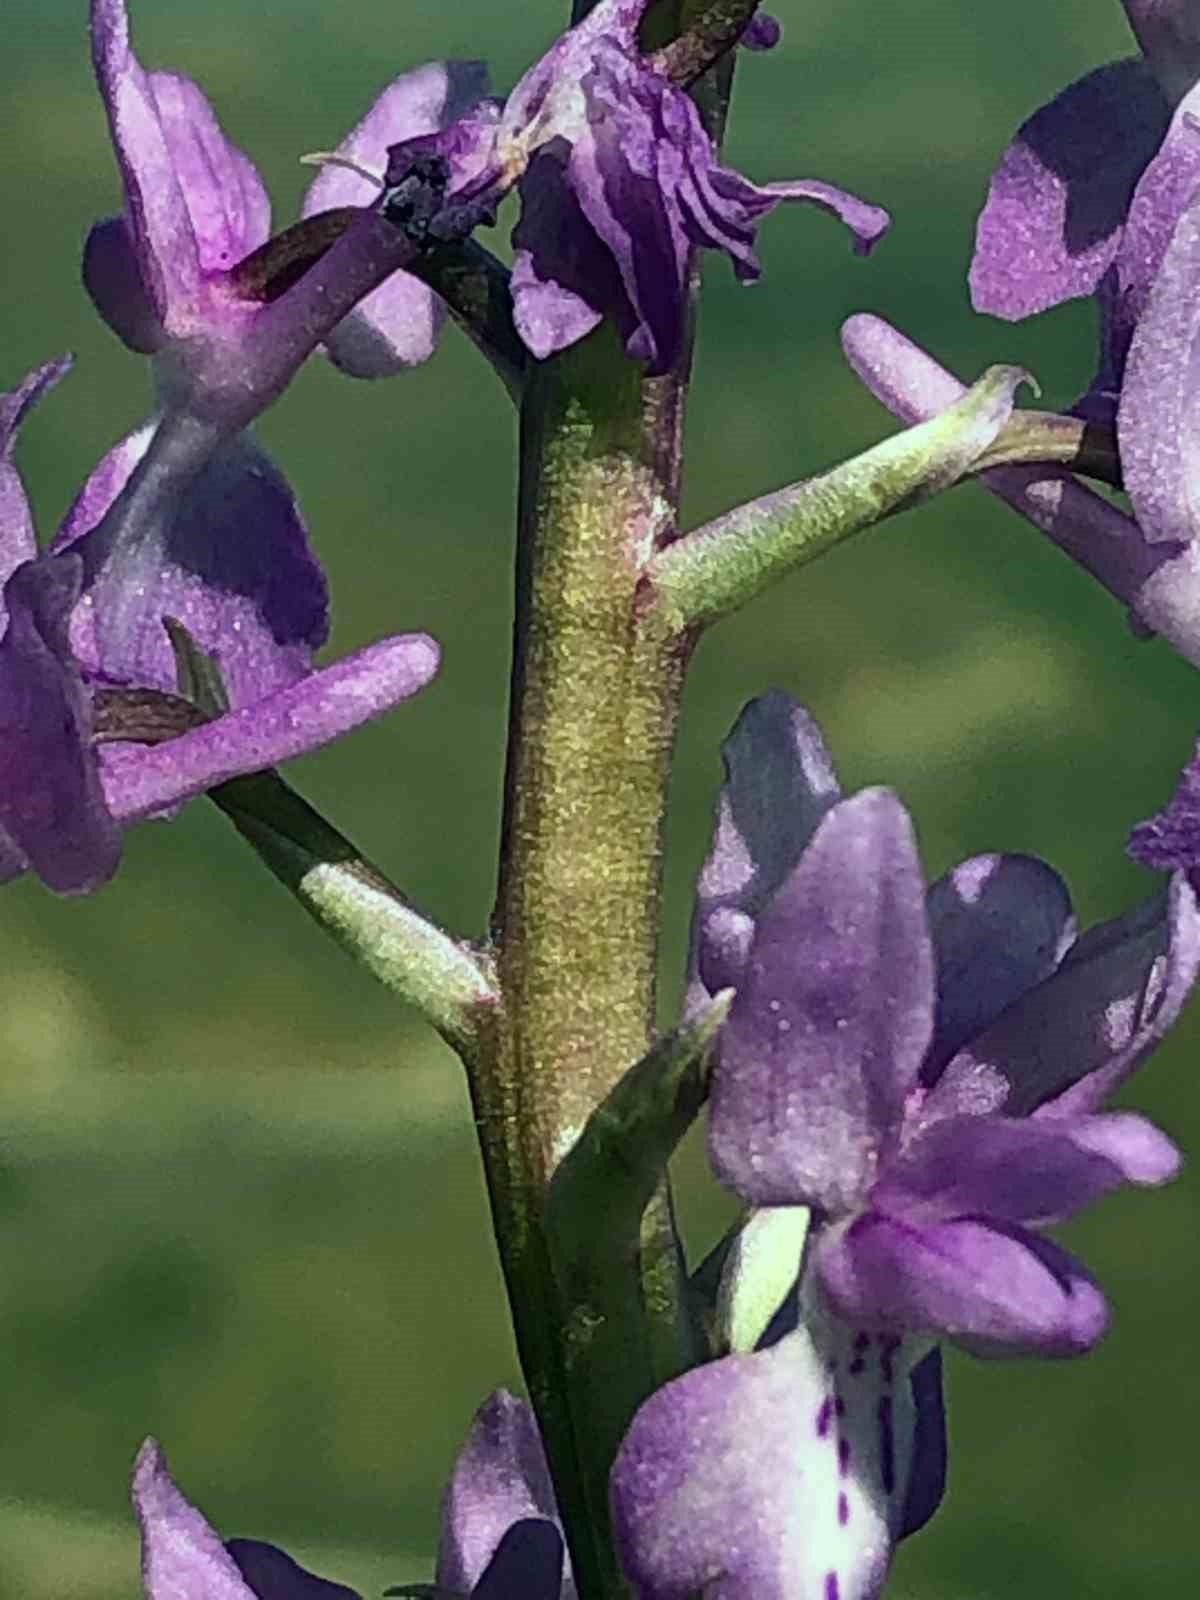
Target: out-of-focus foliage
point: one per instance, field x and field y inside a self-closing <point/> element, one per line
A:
<point x="238" y="1200"/>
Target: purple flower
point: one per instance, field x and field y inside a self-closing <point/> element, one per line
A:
<point x="619" y="183"/>
<point x="924" y="1073"/>
<point x="164" y="274"/>
<point x="227" y="555"/>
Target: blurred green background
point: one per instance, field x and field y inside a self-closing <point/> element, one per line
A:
<point x="239" y="1204"/>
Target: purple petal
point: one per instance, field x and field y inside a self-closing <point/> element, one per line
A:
<point x="775" y="1476"/>
<point x="527" y="1565"/>
<point x="18" y="541"/>
<point x="1169" y="34"/>
<point x="1162" y="194"/>
<point x="1058" y="200"/>
<point x="832" y="1018"/>
<point x="999" y="924"/>
<point x="52" y="810"/>
<point x="559" y="279"/>
<point x="1142" y="1152"/>
<point x="194" y="203"/>
<point x="139" y="782"/>
<point x="1158" y="417"/>
<point x="397" y="325"/>
<point x="995" y="1168"/>
<point x="272" y="1574"/>
<point x="1000" y="1291"/>
<point x="182" y="1558"/>
<point x="230" y="560"/>
<point x="779" y="783"/>
<point x="1064" y="1046"/>
<point x="113" y="279"/>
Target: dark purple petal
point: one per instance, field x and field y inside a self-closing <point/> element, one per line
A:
<point x="527" y="1565"/>
<point x="1172" y="838"/>
<point x="780" y="1475"/>
<point x="832" y="1017"/>
<point x="18" y="542"/>
<point x="1158" y="417"/>
<point x="397" y="325"/>
<point x="559" y="279"/>
<point x="999" y="924"/>
<point x="779" y="783"/>
<point x="182" y="1558"/>
<point x="271" y="1574"/>
<point x="1059" y="198"/>
<point x="996" y="1168"/>
<point x="1169" y="34"/>
<point x="927" y="1478"/>
<point x="230" y="560"/>
<point x="141" y="782"/>
<point x="500" y="1478"/>
<point x="112" y="277"/>
<point x="1002" y="1291"/>
<point x="52" y="810"/>
<point x="1065" y="1045"/>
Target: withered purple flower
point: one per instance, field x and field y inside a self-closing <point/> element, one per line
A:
<point x="229" y="558"/>
<point x="925" y="1075"/>
<point x="619" y="183"/>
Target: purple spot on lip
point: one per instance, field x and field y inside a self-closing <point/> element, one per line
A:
<point x="843" y="1456"/>
<point x="839" y="1406"/>
<point x="832" y="1587"/>
<point x="824" y="1417"/>
<point x="843" y="1510"/>
<point x="887" y="1446"/>
<point x="887" y="1359"/>
<point x="857" y="1367"/>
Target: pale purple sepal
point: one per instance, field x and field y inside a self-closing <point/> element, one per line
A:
<point x="1169" y="33"/>
<point x="1158" y="416"/>
<point x="184" y="1559"/>
<point x="229" y="558"/>
<point x="52" y="811"/>
<point x="194" y="203"/>
<point x="138" y="782"/>
<point x="778" y="1475"/>
<point x="1057" y="203"/>
<point x="500" y="1483"/>
<point x="397" y="325"/>
<point x="1160" y="583"/>
<point x="832" y="1017"/>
